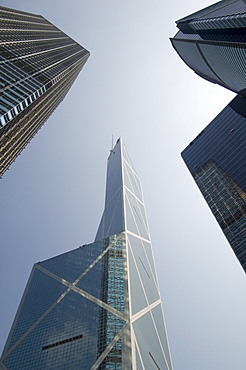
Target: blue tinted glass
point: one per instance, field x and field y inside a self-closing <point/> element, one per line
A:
<point x="113" y="361"/>
<point x="217" y="160"/>
<point x="115" y="280"/>
<point x="75" y="331"/>
<point x="105" y="279"/>
<point x="92" y="280"/>
<point x="228" y="62"/>
<point x="223" y="141"/>
<point x="113" y="216"/>
<point x="114" y="181"/>
<point x="36" y="302"/>
<point x="72" y="264"/>
<point x="191" y="55"/>
<point x="72" y="317"/>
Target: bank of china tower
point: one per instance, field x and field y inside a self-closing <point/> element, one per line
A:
<point x="98" y="306"/>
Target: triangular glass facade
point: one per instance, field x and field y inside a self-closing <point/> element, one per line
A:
<point x="72" y="312"/>
<point x="125" y="212"/>
<point x="98" y="306"/>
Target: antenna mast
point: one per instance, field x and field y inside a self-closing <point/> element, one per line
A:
<point x="112" y="142"/>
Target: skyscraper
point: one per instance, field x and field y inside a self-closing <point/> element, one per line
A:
<point x="38" y="65"/>
<point x="98" y="306"/>
<point x="212" y="42"/>
<point x="216" y="159"/>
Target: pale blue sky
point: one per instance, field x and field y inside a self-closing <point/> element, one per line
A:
<point x="134" y="85"/>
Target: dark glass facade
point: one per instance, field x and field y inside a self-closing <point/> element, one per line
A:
<point x="98" y="306"/>
<point x="69" y="313"/>
<point x="216" y="159"/>
<point x="212" y="42"/>
<point x="38" y="65"/>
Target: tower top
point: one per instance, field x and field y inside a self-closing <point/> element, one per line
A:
<point x="124" y="206"/>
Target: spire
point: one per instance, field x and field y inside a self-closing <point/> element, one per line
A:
<point x="124" y="207"/>
<point x="124" y="213"/>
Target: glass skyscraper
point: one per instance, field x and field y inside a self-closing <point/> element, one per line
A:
<point x="98" y="306"/>
<point x="38" y="65"/>
<point x="216" y="159"/>
<point x="212" y="42"/>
